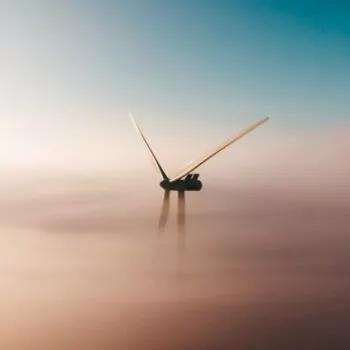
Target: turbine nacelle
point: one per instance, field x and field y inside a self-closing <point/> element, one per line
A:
<point x="189" y="183"/>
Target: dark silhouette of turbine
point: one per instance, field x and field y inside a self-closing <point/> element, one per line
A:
<point x="185" y="180"/>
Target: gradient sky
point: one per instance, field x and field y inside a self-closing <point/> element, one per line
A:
<point x="267" y="258"/>
<point x="70" y="71"/>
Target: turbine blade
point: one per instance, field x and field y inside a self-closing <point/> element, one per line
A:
<point x="216" y="150"/>
<point x="165" y="210"/>
<point x="153" y="156"/>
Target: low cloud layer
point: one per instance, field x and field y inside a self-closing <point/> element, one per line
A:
<point x="265" y="263"/>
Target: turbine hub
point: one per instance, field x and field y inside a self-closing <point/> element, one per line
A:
<point x="163" y="184"/>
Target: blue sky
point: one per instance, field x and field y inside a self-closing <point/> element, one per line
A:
<point x="79" y="66"/>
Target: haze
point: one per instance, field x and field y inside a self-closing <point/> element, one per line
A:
<point x="266" y="259"/>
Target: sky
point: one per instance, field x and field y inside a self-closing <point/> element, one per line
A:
<point x="71" y="71"/>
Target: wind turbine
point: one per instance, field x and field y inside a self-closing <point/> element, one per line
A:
<point x="185" y="180"/>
